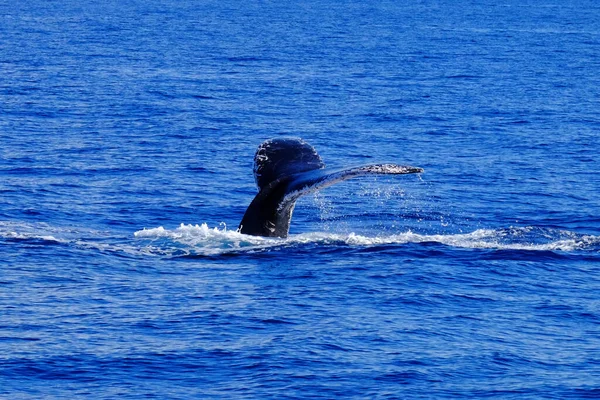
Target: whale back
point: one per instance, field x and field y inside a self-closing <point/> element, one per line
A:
<point x="280" y="157"/>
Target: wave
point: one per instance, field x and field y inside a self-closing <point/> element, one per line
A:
<point x="44" y="234"/>
<point x="201" y="240"/>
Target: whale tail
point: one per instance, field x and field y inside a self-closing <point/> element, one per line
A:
<point x="286" y="169"/>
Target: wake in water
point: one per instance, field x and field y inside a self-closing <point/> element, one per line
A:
<point x="201" y="240"/>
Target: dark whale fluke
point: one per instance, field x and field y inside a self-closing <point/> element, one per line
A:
<point x="284" y="170"/>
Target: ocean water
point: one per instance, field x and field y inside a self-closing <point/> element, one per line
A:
<point x="127" y="135"/>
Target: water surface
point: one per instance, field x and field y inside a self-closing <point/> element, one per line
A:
<point x="127" y="132"/>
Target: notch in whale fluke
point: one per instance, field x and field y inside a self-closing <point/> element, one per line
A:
<point x="284" y="170"/>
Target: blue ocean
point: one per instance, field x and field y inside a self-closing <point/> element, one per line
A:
<point x="127" y="138"/>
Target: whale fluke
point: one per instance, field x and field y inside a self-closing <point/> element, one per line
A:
<point x="284" y="170"/>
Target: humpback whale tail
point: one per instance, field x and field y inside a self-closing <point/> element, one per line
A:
<point x="284" y="170"/>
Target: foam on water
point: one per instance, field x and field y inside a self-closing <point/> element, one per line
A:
<point x="205" y="241"/>
<point x="202" y="240"/>
<point x="44" y="234"/>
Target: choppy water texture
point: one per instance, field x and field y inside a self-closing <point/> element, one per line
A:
<point x="127" y="135"/>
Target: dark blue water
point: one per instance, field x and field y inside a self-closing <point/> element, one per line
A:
<point x="127" y="134"/>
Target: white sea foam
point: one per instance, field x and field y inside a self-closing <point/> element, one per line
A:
<point x="25" y="231"/>
<point x="75" y="237"/>
<point x="200" y="239"/>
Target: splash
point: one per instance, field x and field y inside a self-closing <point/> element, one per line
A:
<point x="202" y="240"/>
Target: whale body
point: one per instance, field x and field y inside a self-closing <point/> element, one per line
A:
<point x="286" y="169"/>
